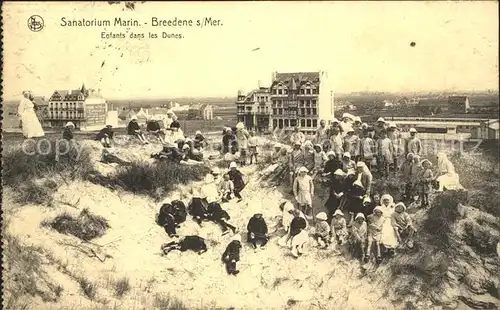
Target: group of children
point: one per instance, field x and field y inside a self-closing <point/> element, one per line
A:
<point x="239" y="139"/>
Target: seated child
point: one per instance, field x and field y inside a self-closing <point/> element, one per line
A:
<point x="198" y="208"/>
<point x="338" y="228"/>
<point x="374" y="235"/>
<point x="357" y="236"/>
<point x="193" y="243"/>
<point x="166" y="219"/>
<point x="402" y="224"/>
<point x="226" y="188"/>
<point x="257" y="231"/>
<point x="322" y="234"/>
<point x="220" y="216"/>
<point x="232" y="255"/>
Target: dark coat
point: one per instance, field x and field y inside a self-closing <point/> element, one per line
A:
<point x="297" y="224"/>
<point x="232" y="251"/>
<point x="68" y="134"/>
<point x="237" y="177"/>
<point x="175" y="124"/>
<point x="105" y="132"/>
<point x="197" y="208"/>
<point x="132" y="127"/>
<point x="153" y="126"/>
<point x="179" y="211"/>
<point x="193" y="243"/>
<point x="216" y="212"/>
<point x="257" y="226"/>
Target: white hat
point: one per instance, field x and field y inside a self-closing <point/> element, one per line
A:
<point x="393" y="125"/>
<point x="322" y="216"/>
<point x="346" y="115"/>
<point x="400" y="204"/>
<point x="381" y="119"/>
<point x="358" y="183"/>
<point x="357" y="119"/>
<point x="215" y="170"/>
<point x="334" y="120"/>
<point x="303" y="169"/>
<point x="347" y="154"/>
<point x="338" y="212"/>
<point x="70" y="124"/>
<point x="359" y="215"/>
<point x="330" y="153"/>
<point x="367" y="200"/>
<point x="413" y="130"/>
<point x="198" y="132"/>
<point x="185" y="147"/>
<point x="288" y="206"/>
<point x="134" y="117"/>
<point x="339" y="172"/>
<point x="364" y="125"/>
<point x="227" y="129"/>
<point x="378" y="208"/>
<point x="360" y="164"/>
<point x="240" y="125"/>
<point x="236" y="237"/>
<point x="233" y="165"/>
<point x="188" y="140"/>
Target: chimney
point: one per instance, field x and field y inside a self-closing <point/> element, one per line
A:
<point x="273" y="76"/>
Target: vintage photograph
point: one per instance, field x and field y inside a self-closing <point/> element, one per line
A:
<point x="250" y="155"/>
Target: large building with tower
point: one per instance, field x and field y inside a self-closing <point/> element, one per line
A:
<point x="83" y="107"/>
<point x="294" y="99"/>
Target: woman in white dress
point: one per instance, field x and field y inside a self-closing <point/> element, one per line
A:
<point x="29" y="121"/>
<point x="447" y="177"/>
<point x="388" y="238"/>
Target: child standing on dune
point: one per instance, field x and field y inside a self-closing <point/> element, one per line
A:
<point x="232" y="255"/>
<point x="252" y="147"/>
<point x="236" y="176"/>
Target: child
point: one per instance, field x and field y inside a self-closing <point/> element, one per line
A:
<point x="133" y="129"/>
<point x="319" y="159"/>
<point x="232" y="255"/>
<point x="385" y="158"/>
<point x="105" y="136"/>
<point x="237" y="177"/>
<point x="426" y="182"/>
<point x="338" y="228"/>
<point x="374" y="235"/>
<point x="193" y="243"/>
<point x="367" y="150"/>
<point x="198" y="207"/>
<point x="226" y="188"/>
<point x="416" y="203"/>
<point x="406" y="168"/>
<point x="221" y="217"/>
<point x="252" y="147"/>
<point x="416" y="174"/>
<point x="322" y="233"/>
<point x="348" y="165"/>
<point x="68" y="131"/>
<point x="308" y="155"/>
<point x="358" y="234"/>
<point x="257" y="231"/>
<point x="298" y="233"/>
<point x="166" y="219"/>
<point x="303" y="190"/>
<point x="402" y="224"/>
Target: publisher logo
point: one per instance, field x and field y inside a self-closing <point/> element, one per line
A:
<point x="35" y="23"/>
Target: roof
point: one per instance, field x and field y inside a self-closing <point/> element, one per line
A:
<point x="40" y="101"/>
<point x="457" y="99"/>
<point x="299" y="79"/>
<point x="125" y="113"/>
<point x="158" y="111"/>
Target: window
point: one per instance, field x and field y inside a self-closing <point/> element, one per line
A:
<point x="274" y="103"/>
<point x="308" y="91"/>
<point x="275" y="91"/>
<point x="314" y="112"/>
<point x="280" y="111"/>
<point x="302" y="111"/>
<point x="285" y="91"/>
<point x="275" y="111"/>
<point x="301" y="103"/>
<point x="302" y="91"/>
<point x="293" y="122"/>
<point x="280" y="91"/>
<point x="308" y="111"/>
<point x="308" y="123"/>
<point x="287" y="123"/>
<point x="302" y="123"/>
<point x="315" y="91"/>
<point x="315" y="123"/>
<point x="313" y="102"/>
<point x="280" y="122"/>
<point x="275" y="123"/>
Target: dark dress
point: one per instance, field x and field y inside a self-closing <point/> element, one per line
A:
<point x="258" y="227"/>
<point x="153" y="126"/>
<point x="193" y="243"/>
<point x="297" y="225"/>
<point x="132" y="127"/>
<point x="227" y="141"/>
<point x="337" y="186"/>
<point x="237" y="177"/>
<point x="198" y="210"/>
<point x="105" y="132"/>
<point x="68" y="134"/>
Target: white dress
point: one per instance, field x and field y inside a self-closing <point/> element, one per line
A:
<point x="304" y="190"/>
<point x="30" y="123"/>
<point x="388" y="238"/>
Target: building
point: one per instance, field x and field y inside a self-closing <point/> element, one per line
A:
<point x="300" y="99"/>
<point x="200" y="111"/>
<point x="83" y="107"/>
<point x="458" y="104"/>
<point x="254" y="109"/>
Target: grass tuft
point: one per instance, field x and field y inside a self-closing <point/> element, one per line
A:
<point x="88" y="287"/>
<point x="168" y="302"/>
<point x="86" y="226"/>
<point x="121" y="287"/>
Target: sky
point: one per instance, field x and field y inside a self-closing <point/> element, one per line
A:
<point x="364" y="46"/>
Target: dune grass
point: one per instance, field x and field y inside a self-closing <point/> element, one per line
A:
<point x="86" y="226"/>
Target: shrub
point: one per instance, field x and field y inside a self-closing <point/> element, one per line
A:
<point x="34" y="192"/>
<point x="168" y="302"/>
<point x="86" y="226"/>
<point x="155" y="179"/>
